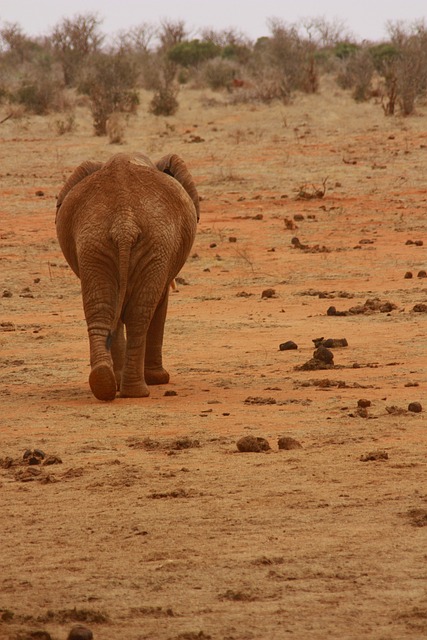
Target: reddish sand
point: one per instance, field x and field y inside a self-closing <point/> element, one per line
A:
<point x="154" y="525"/>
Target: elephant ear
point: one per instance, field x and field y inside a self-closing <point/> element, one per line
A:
<point x="82" y="171"/>
<point x="174" y="166"/>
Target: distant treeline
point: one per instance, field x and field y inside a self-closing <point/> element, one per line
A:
<point x="45" y="74"/>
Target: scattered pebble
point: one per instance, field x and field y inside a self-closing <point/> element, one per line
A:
<point x="415" y="407"/>
<point x="34" y="456"/>
<point x="363" y="403"/>
<point x="408" y="275"/>
<point x="374" y="455"/>
<point x="330" y="343"/>
<point x="232" y="239"/>
<point x="288" y="346"/>
<point x="7" y="326"/>
<point x="252" y="444"/>
<point x="7" y="293"/>
<point x="362" y="412"/>
<point x="79" y="632"/>
<point x="395" y="411"/>
<point x="422" y="274"/>
<point x="371" y="305"/>
<point x="418" y="517"/>
<point x="269" y="293"/>
<point x="170" y="392"/>
<point x="420" y="308"/>
<point x="290" y="224"/>
<point x="324" y="355"/>
<point x="288" y="443"/>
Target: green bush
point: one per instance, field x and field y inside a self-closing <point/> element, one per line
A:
<point x="192" y="53"/>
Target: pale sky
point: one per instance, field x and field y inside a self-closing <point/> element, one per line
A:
<point x="366" y="19"/>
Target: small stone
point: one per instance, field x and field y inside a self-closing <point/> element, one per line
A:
<point x="362" y="412"/>
<point x="363" y="403"/>
<point x="39" y="193"/>
<point x="408" y="275"/>
<point x="374" y="455"/>
<point x="252" y="444"/>
<point x="288" y="443"/>
<point x="288" y="346"/>
<point x="232" y="239"/>
<point x="330" y="343"/>
<point x="34" y="456"/>
<point x="269" y="293"/>
<point x="79" y="632"/>
<point x="170" y="392"/>
<point x="421" y="307"/>
<point x="415" y="407"/>
<point x="7" y="326"/>
<point x="422" y="274"/>
<point x="324" y="355"/>
<point x="212" y="245"/>
<point x="7" y="293"/>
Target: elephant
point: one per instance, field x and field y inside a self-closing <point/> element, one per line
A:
<point x="126" y="228"/>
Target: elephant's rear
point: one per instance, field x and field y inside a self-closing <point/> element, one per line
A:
<point x="126" y="229"/>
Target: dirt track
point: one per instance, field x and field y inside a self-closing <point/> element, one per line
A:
<point x="153" y="525"/>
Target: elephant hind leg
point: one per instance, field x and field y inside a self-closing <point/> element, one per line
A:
<point x="154" y="372"/>
<point x="102" y="382"/>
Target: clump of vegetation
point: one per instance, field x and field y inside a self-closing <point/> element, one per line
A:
<point x="110" y="84"/>
<point x="39" y="73"/>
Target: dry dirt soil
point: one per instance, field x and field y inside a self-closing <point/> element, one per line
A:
<point x="144" y="520"/>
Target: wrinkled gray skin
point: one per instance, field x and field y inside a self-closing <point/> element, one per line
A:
<point x="126" y="228"/>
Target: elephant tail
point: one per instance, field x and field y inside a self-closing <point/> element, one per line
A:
<point x="124" y="243"/>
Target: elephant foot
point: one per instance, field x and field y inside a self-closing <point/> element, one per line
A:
<point x="102" y="382"/>
<point x="134" y="390"/>
<point x="156" y="376"/>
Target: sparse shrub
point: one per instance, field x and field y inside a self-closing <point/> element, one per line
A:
<point x="164" y="102"/>
<point x="264" y="89"/>
<point x="219" y="73"/>
<point x="110" y="84"/>
<point x="116" y="128"/>
<point x="74" y="41"/>
<point x="40" y="96"/>
<point x="403" y="64"/>
<point x="356" y="74"/>
<point x="65" y="125"/>
<point x="164" y="70"/>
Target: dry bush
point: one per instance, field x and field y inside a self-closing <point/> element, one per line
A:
<point x="39" y="94"/>
<point x="356" y="74"/>
<point x="74" y="41"/>
<point x="272" y="86"/>
<point x="218" y="73"/>
<point x="64" y="125"/>
<point x="116" y="127"/>
<point x="110" y="83"/>
<point x="402" y="63"/>
<point x="164" y="102"/>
